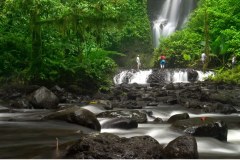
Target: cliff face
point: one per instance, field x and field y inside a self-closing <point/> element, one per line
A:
<point x="154" y="8"/>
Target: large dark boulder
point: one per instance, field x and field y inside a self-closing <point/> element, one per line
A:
<point x="203" y="127"/>
<point x="110" y="146"/>
<point x="178" y="117"/>
<point x="157" y="76"/>
<point x="44" y="98"/>
<point x="192" y="75"/>
<point x="132" y="95"/>
<point x="131" y="114"/>
<point x="123" y="123"/>
<point x="182" y="147"/>
<point x="77" y="115"/>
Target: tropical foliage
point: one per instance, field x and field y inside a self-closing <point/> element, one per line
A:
<point x="230" y="76"/>
<point x="55" y="41"/>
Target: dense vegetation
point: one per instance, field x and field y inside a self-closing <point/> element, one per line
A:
<point x="81" y="42"/>
<point x="229" y="76"/>
<point x="59" y="41"/>
<point x="213" y="28"/>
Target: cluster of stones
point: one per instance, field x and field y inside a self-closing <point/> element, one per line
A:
<point x="203" y="97"/>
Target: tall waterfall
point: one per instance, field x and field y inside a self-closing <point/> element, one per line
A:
<point x="172" y="15"/>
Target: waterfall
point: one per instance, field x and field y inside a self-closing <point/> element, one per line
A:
<point x="172" y="16"/>
<point x="132" y="76"/>
<point x="180" y="77"/>
<point x="170" y="76"/>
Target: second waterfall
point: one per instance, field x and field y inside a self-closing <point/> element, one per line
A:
<point x="168" y="16"/>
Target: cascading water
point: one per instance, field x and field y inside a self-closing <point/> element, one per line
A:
<point x="174" y="76"/>
<point x="132" y="76"/>
<point x="172" y="16"/>
<point x="180" y="76"/>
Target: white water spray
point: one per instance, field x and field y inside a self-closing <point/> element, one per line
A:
<point x="133" y="76"/>
<point x="180" y="77"/>
<point x="141" y="77"/>
<point x="173" y="15"/>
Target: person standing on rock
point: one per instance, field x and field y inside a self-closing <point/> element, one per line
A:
<point x="162" y="61"/>
<point x="138" y="62"/>
<point x="233" y="61"/>
<point x="203" y="58"/>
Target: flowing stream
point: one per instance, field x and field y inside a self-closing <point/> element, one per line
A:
<point x="207" y="147"/>
<point x="24" y="135"/>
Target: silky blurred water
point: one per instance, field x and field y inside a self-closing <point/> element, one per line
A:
<point x="21" y="137"/>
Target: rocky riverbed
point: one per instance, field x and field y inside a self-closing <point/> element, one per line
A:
<point x="125" y="108"/>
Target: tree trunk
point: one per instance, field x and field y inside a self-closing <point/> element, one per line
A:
<point x="36" y="55"/>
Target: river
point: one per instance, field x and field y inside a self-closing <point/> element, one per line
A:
<point x="24" y="135"/>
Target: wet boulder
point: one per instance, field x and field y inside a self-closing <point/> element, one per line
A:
<point x="203" y="127"/>
<point x="152" y="104"/>
<point x="131" y="114"/>
<point x="20" y="103"/>
<point x="192" y="103"/>
<point x="132" y="105"/>
<point x="147" y="97"/>
<point x="157" y="76"/>
<point x="148" y="112"/>
<point x="172" y="101"/>
<point x="192" y="75"/>
<point x="110" y="146"/>
<point x="76" y="115"/>
<point x="44" y="98"/>
<point x="132" y="95"/>
<point x="164" y="99"/>
<point x="106" y="104"/>
<point x="219" y="108"/>
<point x="155" y="85"/>
<point x="191" y="92"/>
<point x="123" y="123"/>
<point x="178" y="117"/>
<point x="169" y="86"/>
<point x="183" y="147"/>
<point x="124" y="87"/>
<point x="157" y="120"/>
<point x="160" y="93"/>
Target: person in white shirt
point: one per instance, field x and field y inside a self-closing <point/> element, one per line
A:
<point x="138" y="62"/>
<point x="233" y="61"/>
<point x="203" y="57"/>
